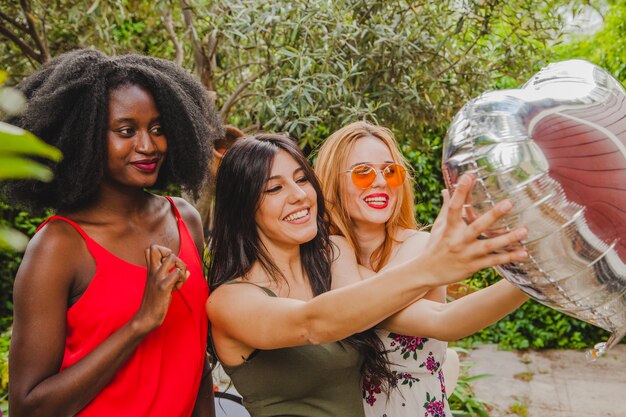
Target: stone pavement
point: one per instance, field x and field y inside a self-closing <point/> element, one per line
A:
<point x="550" y="383"/>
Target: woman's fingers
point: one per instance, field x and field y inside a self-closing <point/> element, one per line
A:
<point x="157" y="253"/>
<point x="460" y="196"/>
<point x="504" y="241"/>
<point x="488" y="219"/>
<point x="176" y="271"/>
<point x="502" y="258"/>
<point x="446" y="197"/>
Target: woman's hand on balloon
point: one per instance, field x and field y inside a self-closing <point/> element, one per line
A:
<point x="166" y="273"/>
<point x="454" y="248"/>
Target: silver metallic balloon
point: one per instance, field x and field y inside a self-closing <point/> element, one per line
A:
<point x="557" y="149"/>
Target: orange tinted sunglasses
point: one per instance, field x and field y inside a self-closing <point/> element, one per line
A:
<point x="364" y="175"/>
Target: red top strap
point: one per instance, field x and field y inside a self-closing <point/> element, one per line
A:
<point x="65" y="219"/>
<point x="174" y="207"/>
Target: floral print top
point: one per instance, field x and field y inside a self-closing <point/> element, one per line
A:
<point x="419" y="388"/>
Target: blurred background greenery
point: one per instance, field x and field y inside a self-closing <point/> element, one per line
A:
<point x="309" y="67"/>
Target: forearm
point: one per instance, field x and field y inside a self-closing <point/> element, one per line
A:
<point x="205" y="403"/>
<point x="67" y="392"/>
<point x="460" y="318"/>
<point x="342" y="312"/>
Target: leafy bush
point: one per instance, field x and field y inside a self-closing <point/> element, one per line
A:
<point x="10" y="259"/>
<point x="5" y="339"/>
<point x="462" y="401"/>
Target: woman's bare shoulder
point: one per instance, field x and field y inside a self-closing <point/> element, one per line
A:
<point x="411" y="236"/>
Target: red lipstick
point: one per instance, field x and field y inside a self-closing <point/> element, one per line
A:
<point x="146" y="165"/>
<point x="377" y="201"/>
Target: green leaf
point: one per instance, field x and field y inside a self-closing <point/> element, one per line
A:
<point x="477" y="377"/>
<point x="13" y="167"/>
<point x="12" y="239"/>
<point x="14" y="140"/>
<point x="12" y="101"/>
<point x="93" y="6"/>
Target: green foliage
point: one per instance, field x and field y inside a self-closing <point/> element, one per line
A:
<point x="606" y="48"/>
<point x="17" y="147"/>
<point x="403" y="65"/>
<point x="5" y="338"/>
<point x="533" y="326"/>
<point x="25" y="223"/>
<point x="462" y="401"/>
<point x="426" y="164"/>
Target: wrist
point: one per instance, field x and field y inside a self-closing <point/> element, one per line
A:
<point x="430" y="276"/>
<point x="140" y="327"/>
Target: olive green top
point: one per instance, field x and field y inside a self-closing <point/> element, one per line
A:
<point x="304" y="381"/>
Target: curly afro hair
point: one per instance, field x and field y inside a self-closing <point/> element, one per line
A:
<point x="68" y="108"/>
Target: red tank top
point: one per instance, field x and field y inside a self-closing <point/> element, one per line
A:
<point x="163" y="375"/>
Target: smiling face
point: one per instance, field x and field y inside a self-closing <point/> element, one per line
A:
<point x="136" y="145"/>
<point x="376" y="203"/>
<point x="287" y="213"/>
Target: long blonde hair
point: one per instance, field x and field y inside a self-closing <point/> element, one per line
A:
<point x="330" y="160"/>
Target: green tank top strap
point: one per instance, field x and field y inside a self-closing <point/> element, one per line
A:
<point x="266" y="290"/>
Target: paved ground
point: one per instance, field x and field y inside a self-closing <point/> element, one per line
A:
<point x="553" y="383"/>
<point x="549" y="383"/>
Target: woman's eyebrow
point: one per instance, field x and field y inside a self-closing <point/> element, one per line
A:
<point x="124" y="120"/>
<point x="371" y="163"/>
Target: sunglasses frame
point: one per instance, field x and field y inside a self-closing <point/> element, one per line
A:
<point x="377" y="170"/>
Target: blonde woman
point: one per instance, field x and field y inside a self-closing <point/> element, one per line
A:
<point x="369" y="196"/>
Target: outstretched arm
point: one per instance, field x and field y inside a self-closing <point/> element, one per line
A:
<point x="429" y="318"/>
<point x="460" y="318"/>
<point x="244" y="318"/>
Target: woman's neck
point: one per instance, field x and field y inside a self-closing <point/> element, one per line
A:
<point x="286" y="257"/>
<point x="111" y="201"/>
<point x="369" y="237"/>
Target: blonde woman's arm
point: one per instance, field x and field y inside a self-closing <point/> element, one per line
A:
<point x="427" y="317"/>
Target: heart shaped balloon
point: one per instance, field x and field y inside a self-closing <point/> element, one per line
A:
<point x="557" y="149"/>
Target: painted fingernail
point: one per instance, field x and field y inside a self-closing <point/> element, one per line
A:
<point x="187" y="273"/>
<point x="522" y="255"/>
<point x="521" y="232"/>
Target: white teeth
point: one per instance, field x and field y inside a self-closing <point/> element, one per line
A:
<point x="297" y="215"/>
<point x="376" y="199"/>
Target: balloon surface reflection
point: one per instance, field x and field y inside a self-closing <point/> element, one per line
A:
<point x="557" y="148"/>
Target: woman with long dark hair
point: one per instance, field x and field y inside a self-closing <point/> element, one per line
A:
<point x="276" y="328"/>
<point x="109" y="298"/>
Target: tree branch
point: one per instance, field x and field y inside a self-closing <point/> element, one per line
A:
<point x="169" y="25"/>
<point x="236" y="67"/>
<point x="26" y="49"/>
<point x="212" y="47"/>
<point x="30" y="20"/>
<point x="202" y="63"/>
<point x="233" y="97"/>
<point x="13" y="23"/>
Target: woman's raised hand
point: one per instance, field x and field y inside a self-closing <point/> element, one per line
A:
<point x="454" y="248"/>
<point x="166" y="273"/>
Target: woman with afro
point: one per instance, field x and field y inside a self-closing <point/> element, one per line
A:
<point x="109" y="299"/>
